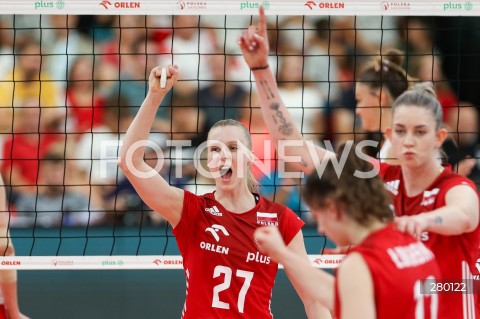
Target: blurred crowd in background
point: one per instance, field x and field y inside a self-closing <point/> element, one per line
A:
<point x="71" y="85"/>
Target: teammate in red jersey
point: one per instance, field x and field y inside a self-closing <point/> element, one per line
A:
<point x="384" y="274"/>
<point x="8" y="278"/>
<point x="451" y="213"/>
<point x="227" y="276"/>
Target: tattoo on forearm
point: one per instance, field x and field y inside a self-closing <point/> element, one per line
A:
<point x="284" y="127"/>
<point x="438" y="220"/>
<point x="267" y="89"/>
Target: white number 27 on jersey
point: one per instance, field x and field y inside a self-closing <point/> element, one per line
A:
<point x="227" y="272"/>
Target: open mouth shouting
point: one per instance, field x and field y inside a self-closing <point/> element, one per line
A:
<point x="226" y="173"/>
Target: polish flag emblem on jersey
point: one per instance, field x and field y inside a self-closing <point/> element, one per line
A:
<point x="429" y="197"/>
<point x="267" y="219"/>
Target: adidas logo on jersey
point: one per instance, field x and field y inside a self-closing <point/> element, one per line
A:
<point x="214" y="211"/>
<point x="429" y="197"/>
<point x="392" y="186"/>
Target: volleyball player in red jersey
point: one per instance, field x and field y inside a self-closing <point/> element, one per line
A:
<point x="435" y="204"/>
<point x="382" y="276"/>
<point x="450" y="215"/>
<point x="227" y="276"/>
<point x="9" y="308"/>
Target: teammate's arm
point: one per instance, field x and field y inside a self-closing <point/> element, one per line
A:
<point x="254" y="46"/>
<point x="355" y="289"/>
<point x="154" y="190"/>
<point x="459" y="215"/>
<point x="8" y="278"/>
<point x="313" y="307"/>
<point x="315" y="287"/>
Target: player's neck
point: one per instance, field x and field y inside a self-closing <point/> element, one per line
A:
<point x="418" y="179"/>
<point x="359" y="232"/>
<point x="238" y="200"/>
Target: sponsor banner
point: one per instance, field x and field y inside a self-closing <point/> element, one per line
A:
<point x="325" y="261"/>
<point x="136" y="262"/>
<point x="91" y="262"/>
<point x="239" y="7"/>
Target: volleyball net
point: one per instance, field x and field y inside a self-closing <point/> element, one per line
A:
<point x="74" y="73"/>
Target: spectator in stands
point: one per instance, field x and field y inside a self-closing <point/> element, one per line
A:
<point x="118" y="53"/>
<point x="221" y="98"/>
<point x="103" y="28"/>
<point x="327" y="52"/>
<point x="97" y="151"/>
<point x="460" y="117"/>
<point x="25" y="81"/>
<point x="7" y="59"/>
<point x="84" y="103"/>
<point x="189" y="46"/>
<point x="63" y="44"/>
<point x="55" y="204"/>
<point x="28" y="144"/>
<point x="304" y="100"/>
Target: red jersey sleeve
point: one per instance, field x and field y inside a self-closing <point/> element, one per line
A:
<point x="191" y="208"/>
<point x="290" y="225"/>
<point x="383" y="169"/>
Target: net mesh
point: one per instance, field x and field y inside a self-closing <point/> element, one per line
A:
<point x="70" y="86"/>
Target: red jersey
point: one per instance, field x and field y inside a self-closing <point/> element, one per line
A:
<point x="456" y="255"/>
<point x="226" y="275"/>
<point x="25" y="154"/>
<point x="399" y="265"/>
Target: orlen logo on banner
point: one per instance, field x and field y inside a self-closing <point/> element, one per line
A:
<point x="324" y="5"/>
<point x="120" y="4"/>
<point x="192" y="5"/>
<point x="159" y="262"/>
<point x="11" y="263"/>
<point x="321" y="261"/>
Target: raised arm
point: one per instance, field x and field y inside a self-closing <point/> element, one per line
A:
<point x="315" y="287"/>
<point x="8" y="278"/>
<point x="151" y="186"/>
<point x="254" y="46"/>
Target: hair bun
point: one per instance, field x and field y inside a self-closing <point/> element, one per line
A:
<point x="393" y="56"/>
<point x="424" y="87"/>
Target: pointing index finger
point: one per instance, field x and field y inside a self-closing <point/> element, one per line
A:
<point x="262" y="23"/>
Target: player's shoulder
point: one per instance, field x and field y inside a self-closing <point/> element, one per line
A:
<point x="450" y="179"/>
<point x="390" y="171"/>
<point x="200" y="200"/>
<point x="269" y="206"/>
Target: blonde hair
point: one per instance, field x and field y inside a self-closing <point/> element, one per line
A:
<point x="422" y="95"/>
